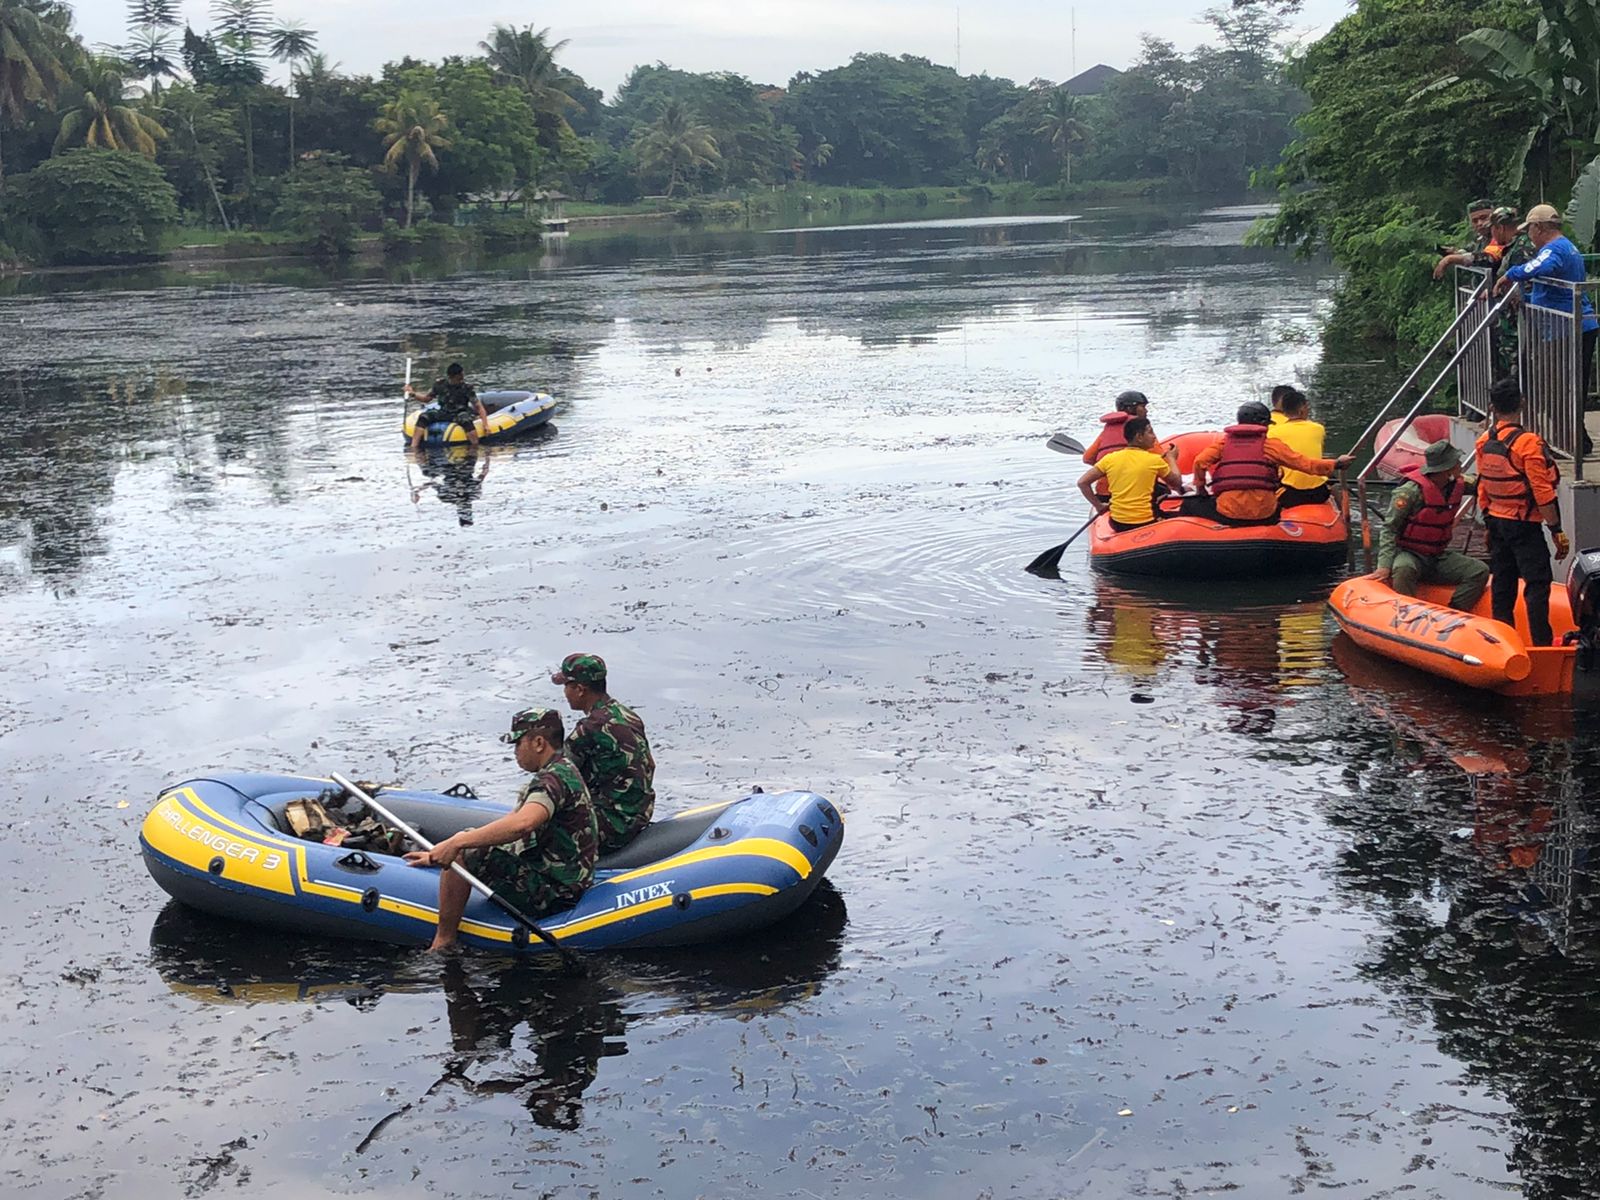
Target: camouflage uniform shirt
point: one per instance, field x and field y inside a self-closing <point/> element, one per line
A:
<point x="550" y="868"/>
<point x="610" y="748"/>
<point x="452" y="401"/>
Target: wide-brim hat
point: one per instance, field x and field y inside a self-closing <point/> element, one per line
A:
<point x="1440" y="456"/>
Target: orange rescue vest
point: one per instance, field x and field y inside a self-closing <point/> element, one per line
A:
<point x="1112" y="437"/>
<point x="1503" y="490"/>
<point x="1244" y="465"/>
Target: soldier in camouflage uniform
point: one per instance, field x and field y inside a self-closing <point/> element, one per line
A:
<point x="541" y="855"/>
<point x="609" y="745"/>
<point x="1479" y="214"/>
<point x="1508" y="247"/>
<point x="452" y="399"/>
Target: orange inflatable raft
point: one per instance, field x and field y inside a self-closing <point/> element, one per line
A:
<point x="1471" y="648"/>
<point x="1306" y="537"/>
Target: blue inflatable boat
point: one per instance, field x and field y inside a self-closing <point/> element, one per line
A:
<point x="223" y="844"/>
<point x="511" y="414"/>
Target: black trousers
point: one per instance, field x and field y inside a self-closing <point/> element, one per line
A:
<point x="1205" y="505"/>
<point x="1291" y="496"/>
<point x="1517" y="550"/>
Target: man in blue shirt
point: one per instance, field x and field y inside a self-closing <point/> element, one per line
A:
<point x="1555" y="258"/>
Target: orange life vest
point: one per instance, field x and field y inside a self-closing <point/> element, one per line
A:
<point x="1427" y="530"/>
<point x="1244" y="465"/>
<point x="1113" y="436"/>
<point x="1503" y="490"/>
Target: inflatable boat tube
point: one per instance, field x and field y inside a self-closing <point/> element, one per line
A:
<point x="222" y="844"/>
<point x="1412" y="447"/>
<point x="511" y="414"/>
<point x="1470" y="648"/>
<point x="1306" y="538"/>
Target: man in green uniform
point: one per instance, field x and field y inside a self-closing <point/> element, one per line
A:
<point x="1479" y="214"/>
<point x="541" y="855"/>
<point x="1414" y="540"/>
<point x="453" y="400"/>
<point x="611" y="750"/>
<point x="1509" y="246"/>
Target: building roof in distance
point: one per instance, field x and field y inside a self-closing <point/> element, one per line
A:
<point x="1091" y="82"/>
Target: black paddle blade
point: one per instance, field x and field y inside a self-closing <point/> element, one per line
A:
<point x="1065" y="444"/>
<point x="1049" y="562"/>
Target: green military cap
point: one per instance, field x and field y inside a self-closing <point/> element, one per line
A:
<point x="527" y="721"/>
<point x="1440" y="456"/>
<point x="581" y="668"/>
<point x="1505" y="214"/>
<point x="1476" y="205"/>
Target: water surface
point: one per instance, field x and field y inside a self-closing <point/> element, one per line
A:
<point x="1145" y="892"/>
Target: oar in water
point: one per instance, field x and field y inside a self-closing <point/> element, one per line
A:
<point x="573" y="963"/>
<point x="1051" y="558"/>
<point x="1065" y="444"/>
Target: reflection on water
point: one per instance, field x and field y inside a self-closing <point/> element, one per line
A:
<point x="523" y="1029"/>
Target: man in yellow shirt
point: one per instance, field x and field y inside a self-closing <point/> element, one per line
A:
<point x="1132" y="474"/>
<point x="1300" y="433"/>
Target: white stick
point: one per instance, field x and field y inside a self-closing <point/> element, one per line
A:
<point x="406" y="394"/>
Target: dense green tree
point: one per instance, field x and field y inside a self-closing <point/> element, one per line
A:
<point x="413" y="131"/>
<point x="890" y="120"/>
<point x="96" y="205"/>
<point x="526" y="59"/>
<point x="739" y="115"/>
<point x="35" y="53"/>
<point x="675" y="145"/>
<point x="328" y="201"/>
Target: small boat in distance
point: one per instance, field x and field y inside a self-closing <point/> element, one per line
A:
<point x="511" y="414"/>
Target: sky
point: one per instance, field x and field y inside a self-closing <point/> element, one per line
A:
<point x="769" y="42"/>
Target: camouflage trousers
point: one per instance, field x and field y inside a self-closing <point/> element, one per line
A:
<point x="537" y="893"/>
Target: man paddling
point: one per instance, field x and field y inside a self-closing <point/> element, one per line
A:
<point x="1414" y="540"/>
<point x="454" y="401"/>
<point x="1131" y="474"/>
<point x="1517" y="497"/>
<point x="541" y="855"/>
<point x="609" y="747"/>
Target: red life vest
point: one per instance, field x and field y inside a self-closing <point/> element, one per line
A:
<point x="1504" y="491"/>
<point x="1427" y="530"/>
<point x="1112" y="437"/>
<point x="1244" y="465"/>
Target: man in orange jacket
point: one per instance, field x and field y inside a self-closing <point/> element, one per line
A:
<point x="1242" y="466"/>
<point x="1517" y="497"/>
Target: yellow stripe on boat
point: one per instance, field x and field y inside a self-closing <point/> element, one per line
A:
<point x="184" y="835"/>
<point x="760" y="847"/>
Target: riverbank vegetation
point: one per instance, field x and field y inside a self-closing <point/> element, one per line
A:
<point x="1417" y="108"/>
<point x="482" y="139"/>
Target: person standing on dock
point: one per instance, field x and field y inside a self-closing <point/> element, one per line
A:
<point x="1131" y="475"/>
<point x="1556" y="258"/>
<point x="1414" y="540"/>
<point x="1517" y="496"/>
<point x="1300" y="433"/>
<point x="1479" y="214"/>
<point x="610" y="748"/>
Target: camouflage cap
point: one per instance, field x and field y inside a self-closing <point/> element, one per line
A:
<point x="1479" y="205"/>
<point x="581" y="668"/>
<point x="1506" y="214"/>
<point x="525" y="722"/>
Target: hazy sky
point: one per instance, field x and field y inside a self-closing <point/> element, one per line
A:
<point x="1019" y="39"/>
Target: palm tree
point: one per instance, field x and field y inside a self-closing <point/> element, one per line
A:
<point x="242" y="25"/>
<point x="103" y="118"/>
<point x="291" y="42"/>
<point x="150" y="51"/>
<point x="677" y="144"/>
<point x="317" y="71"/>
<point x="526" y="59"/>
<point x="412" y="128"/>
<point x="1064" y="127"/>
<point x="34" y="41"/>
